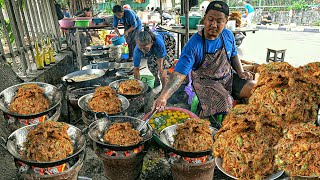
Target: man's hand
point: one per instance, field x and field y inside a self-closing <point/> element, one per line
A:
<point x="160" y="103"/>
<point x="246" y="75"/>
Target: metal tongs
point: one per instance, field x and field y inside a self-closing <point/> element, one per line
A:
<point x="140" y="126"/>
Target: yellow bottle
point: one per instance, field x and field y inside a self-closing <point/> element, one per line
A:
<point x="38" y="58"/>
<point x="51" y="51"/>
<point x="45" y="54"/>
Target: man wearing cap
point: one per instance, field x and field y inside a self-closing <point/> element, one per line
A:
<point x="216" y="70"/>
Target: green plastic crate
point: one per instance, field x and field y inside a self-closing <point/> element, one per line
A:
<point x="82" y="23"/>
<point x="193" y="21"/>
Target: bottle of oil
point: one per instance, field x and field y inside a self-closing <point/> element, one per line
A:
<point x="38" y="57"/>
<point x="45" y="53"/>
<point x="51" y="51"/>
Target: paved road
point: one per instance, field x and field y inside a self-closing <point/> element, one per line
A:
<point x="302" y="47"/>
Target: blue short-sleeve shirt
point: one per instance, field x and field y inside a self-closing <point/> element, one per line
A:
<point x="158" y="49"/>
<point x="130" y="18"/>
<point x="249" y="8"/>
<point x="192" y="53"/>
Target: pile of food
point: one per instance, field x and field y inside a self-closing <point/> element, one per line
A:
<point x="287" y="92"/>
<point x="122" y="134"/>
<point x="283" y="96"/>
<point x="48" y="142"/>
<point x="193" y="136"/>
<point x="237" y="17"/>
<point x="166" y="118"/>
<point x="245" y="142"/>
<point x="30" y="99"/>
<point x="105" y="100"/>
<point x="298" y="152"/>
<point x="130" y="87"/>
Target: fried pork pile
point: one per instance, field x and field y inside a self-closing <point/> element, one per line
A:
<point x="194" y="136"/>
<point x="129" y="87"/>
<point x="287" y="92"/>
<point x="237" y="17"/>
<point x="283" y="96"/>
<point x="298" y="152"/>
<point x="48" y="142"/>
<point x="29" y="99"/>
<point x="105" y="100"/>
<point x="122" y="134"/>
<point x="245" y="142"/>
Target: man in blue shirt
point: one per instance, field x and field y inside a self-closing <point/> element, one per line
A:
<point x="249" y="12"/>
<point x="132" y="25"/>
<point x="216" y="70"/>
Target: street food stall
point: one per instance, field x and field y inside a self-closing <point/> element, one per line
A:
<point x="109" y="135"/>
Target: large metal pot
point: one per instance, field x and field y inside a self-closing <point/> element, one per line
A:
<point x="98" y="128"/>
<point x="90" y="116"/>
<point x="84" y="83"/>
<point x="16" y="144"/>
<point x="50" y="91"/>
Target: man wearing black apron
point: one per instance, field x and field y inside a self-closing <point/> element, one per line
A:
<point x="132" y="25"/>
<point x="216" y="70"/>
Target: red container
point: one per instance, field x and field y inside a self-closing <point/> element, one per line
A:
<point x="108" y="38"/>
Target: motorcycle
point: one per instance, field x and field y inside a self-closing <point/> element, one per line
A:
<point x="239" y="36"/>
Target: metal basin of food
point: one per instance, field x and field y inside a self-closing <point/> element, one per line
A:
<point x="219" y="162"/>
<point x="167" y="137"/>
<point x="51" y="92"/>
<point x="16" y="144"/>
<point x="91" y="116"/>
<point x="98" y="128"/>
<point x="83" y="78"/>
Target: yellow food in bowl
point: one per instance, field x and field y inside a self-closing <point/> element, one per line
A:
<point x="166" y="118"/>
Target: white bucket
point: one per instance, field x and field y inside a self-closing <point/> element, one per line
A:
<point x="231" y="25"/>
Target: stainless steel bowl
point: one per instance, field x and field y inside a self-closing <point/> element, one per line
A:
<point x="50" y="91"/>
<point x="15" y="145"/>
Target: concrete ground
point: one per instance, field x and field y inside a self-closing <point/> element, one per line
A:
<point x="302" y="47"/>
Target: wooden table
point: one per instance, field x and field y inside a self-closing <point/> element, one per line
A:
<point x="181" y="32"/>
<point x="77" y="40"/>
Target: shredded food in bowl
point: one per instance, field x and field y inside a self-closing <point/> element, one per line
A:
<point x="48" y="142"/>
<point x="193" y="135"/>
<point x="105" y="100"/>
<point x="130" y="87"/>
<point x="29" y="99"/>
<point x="298" y="152"/>
<point x="122" y="134"/>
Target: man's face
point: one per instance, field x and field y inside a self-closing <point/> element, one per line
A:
<point x="145" y="48"/>
<point x="214" y="23"/>
<point x="88" y="13"/>
<point x="119" y="14"/>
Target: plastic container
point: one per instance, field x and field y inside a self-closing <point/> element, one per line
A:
<point x="66" y="22"/>
<point x="193" y="21"/>
<point x="82" y="23"/>
<point x="108" y="38"/>
<point x="149" y="79"/>
<point x="118" y="40"/>
<point x="97" y="21"/>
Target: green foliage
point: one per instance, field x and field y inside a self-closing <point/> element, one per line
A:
<point x="317" y="23"/>
<point x="108" y="11"/>
<point x="9" y="30"/>
<point x="299" y="5"/>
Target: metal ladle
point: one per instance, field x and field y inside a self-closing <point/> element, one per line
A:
<point x="140" y="126"/>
